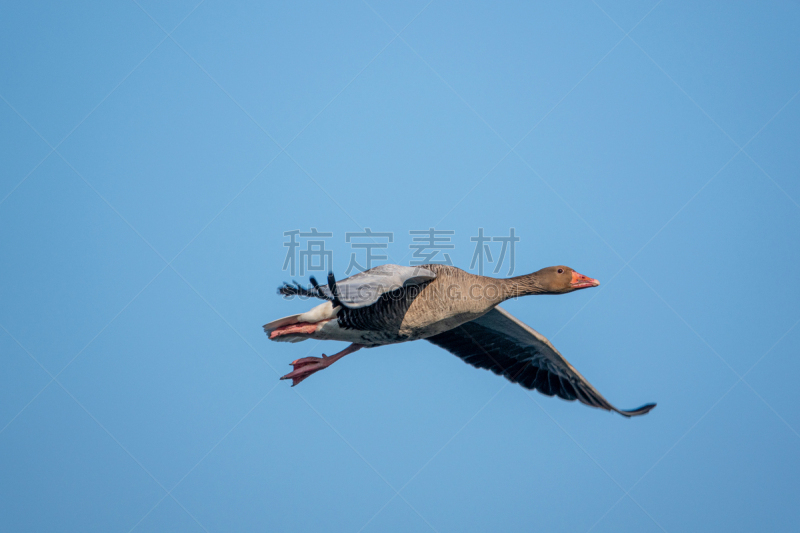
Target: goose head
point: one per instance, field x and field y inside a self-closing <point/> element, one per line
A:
<point x="562" y="279"/>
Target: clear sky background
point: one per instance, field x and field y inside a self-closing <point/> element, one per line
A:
<point x="154" y="154"/>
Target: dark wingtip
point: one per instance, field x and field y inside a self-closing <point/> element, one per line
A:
<point x="643" y="410"/>
<point x="288" y="290"/>
<point x="298" y="290"/>
<point x="333" y="289"/>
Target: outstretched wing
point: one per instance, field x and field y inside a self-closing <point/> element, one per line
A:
<point x="499" y="342"/>
<point x="364" y="288"/>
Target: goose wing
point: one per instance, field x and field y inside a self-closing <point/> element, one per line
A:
<point x="499" y="342"/>
<point x="362" y="289"/>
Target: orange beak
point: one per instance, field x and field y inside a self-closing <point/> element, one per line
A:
<point x="579" y="281"/>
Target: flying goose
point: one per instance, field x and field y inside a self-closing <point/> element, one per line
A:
<point x="450" y="308"/>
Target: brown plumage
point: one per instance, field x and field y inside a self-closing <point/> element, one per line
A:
<point x="451" y="308"/>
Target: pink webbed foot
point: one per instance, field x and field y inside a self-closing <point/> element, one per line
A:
<point x="308" y="365"/>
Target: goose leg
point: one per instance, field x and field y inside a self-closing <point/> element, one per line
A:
<point x="308" y="365"/>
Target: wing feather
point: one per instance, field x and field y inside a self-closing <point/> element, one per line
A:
<point x="365" y="288"/>
<point x="499" y="342"/>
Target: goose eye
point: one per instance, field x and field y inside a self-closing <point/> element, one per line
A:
<point x="560" y="270"/>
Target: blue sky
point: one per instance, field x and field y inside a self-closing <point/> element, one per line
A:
<point x="155" y="154"/>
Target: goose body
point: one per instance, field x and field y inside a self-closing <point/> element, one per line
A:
<point x="439" y="302"/>
<point x="449" y="307"/>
